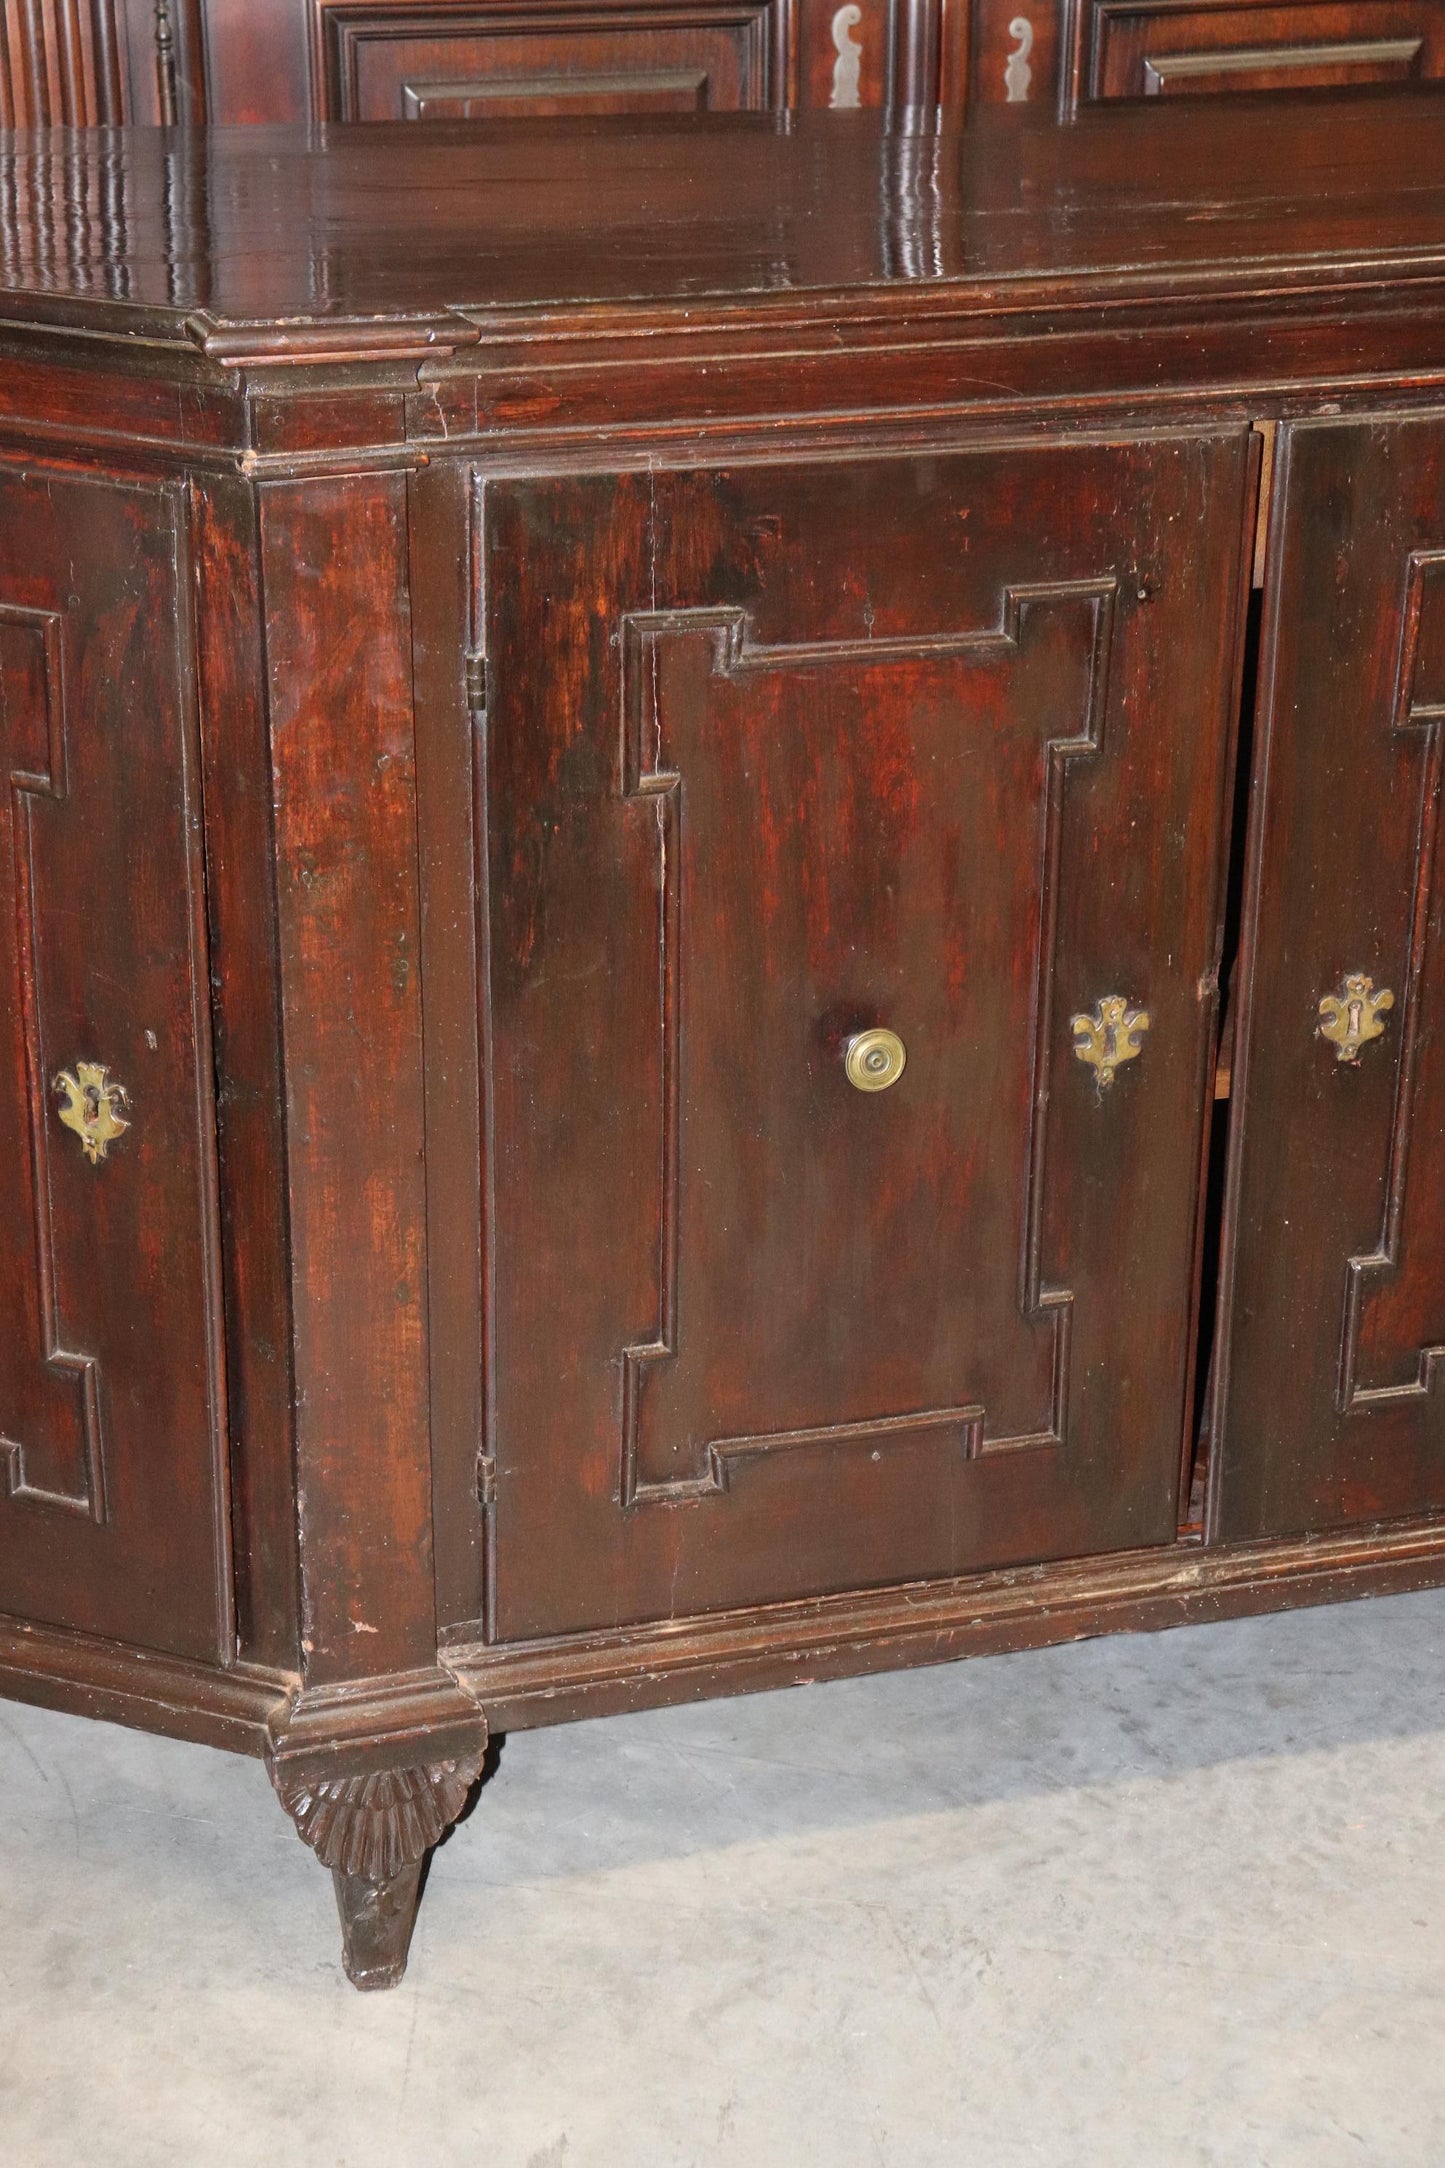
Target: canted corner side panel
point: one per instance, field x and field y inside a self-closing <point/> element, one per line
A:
<point x="32" y="717"/>
<point x="343" y="768"/>
<point x="657" y="787"/>
<point x="1399" y="1282"/>
<point x="112" y="1358"/>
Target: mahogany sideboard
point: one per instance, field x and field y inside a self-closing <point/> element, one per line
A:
<point x="722" y="944"/>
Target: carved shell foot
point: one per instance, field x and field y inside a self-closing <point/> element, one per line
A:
<point x="374" y="1832"/>
<point x="372" y="1827"/>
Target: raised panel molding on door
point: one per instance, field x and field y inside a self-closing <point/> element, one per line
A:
<point x="643" y="90"/>
<point x="474" y="59"/>
<point x="1395" y="1295"/>
<point x="113" y="1509"/>
<point x="722" y="636"/>
<point x="65" y="1472"/>
<point x="776" y="757"/>
<point x="1338" y="1160"/>
<point x="1190" y="48"/>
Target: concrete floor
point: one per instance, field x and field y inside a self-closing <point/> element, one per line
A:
<point x="1170" y="1899"/>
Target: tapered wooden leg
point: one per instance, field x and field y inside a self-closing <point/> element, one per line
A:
<point x="376" y="1923"/>
<point x="374" y="1830"/>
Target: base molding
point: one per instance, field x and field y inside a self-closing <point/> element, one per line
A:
<point x="413" y="1720"/>
<point x="387" y="1721"/>
<point x="551" y="1682"/>
<point x="57" y="1668"/>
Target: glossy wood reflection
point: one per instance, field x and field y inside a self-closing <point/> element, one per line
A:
<point x="269" y="229"/>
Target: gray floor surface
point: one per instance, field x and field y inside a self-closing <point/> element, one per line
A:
<point x="1163" y="1899"/>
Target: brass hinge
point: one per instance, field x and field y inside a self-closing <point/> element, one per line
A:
<point x="486" y="1479"/>
<point x="477" y="684"/>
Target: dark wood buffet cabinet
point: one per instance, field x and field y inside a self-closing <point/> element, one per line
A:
<point x="722" y="953"/>
<point x="79" y="61"/>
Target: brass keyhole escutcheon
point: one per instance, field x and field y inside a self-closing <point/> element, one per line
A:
<point x="1352" y="1019"/>
<point x="1109" y="1037"/>
<point x="872" y="1060"/>
<point x="92" y="1107"/>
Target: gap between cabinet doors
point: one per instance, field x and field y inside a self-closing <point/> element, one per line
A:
<point x="1199" y="1429"/>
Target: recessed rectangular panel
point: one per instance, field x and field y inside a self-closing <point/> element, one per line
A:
<point x="386" y="60"/>
<point x="785" y="755"/>
<point x="111" y="1420"/>
<point x="1332" y="1409"/>
<point x="778" y="757"/>
<point x="1193" y="48"/>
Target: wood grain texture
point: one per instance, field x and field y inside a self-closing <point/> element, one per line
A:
<point x="231" y="673"/>
<point x="379" y="60"/>
<point x="450" y="723"/>
<point x="523" y="640"/>
<point x="342" y="759"/>
<point x="1335" y="1316"/>
<point x="328" y="245"/>
<point x="256" y="61"/>
<point x="866" y="758"/>
<point x="121" y="1683"/>
<point x="112" y="1384"/>
<point x="1193" y="48"/>
<point x="980" y="1615"/>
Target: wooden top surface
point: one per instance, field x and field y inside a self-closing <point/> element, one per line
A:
<point x="396" y="238"/>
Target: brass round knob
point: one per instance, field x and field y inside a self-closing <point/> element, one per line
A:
<point x="872" y="1060"/>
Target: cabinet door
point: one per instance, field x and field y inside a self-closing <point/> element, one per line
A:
<point x="1192" y="48"/>
<point x="778" y="756"/>
<point x="110" y="1418"/>
<point x="1331" y="1412"/>
<point x="396" y="60"/>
